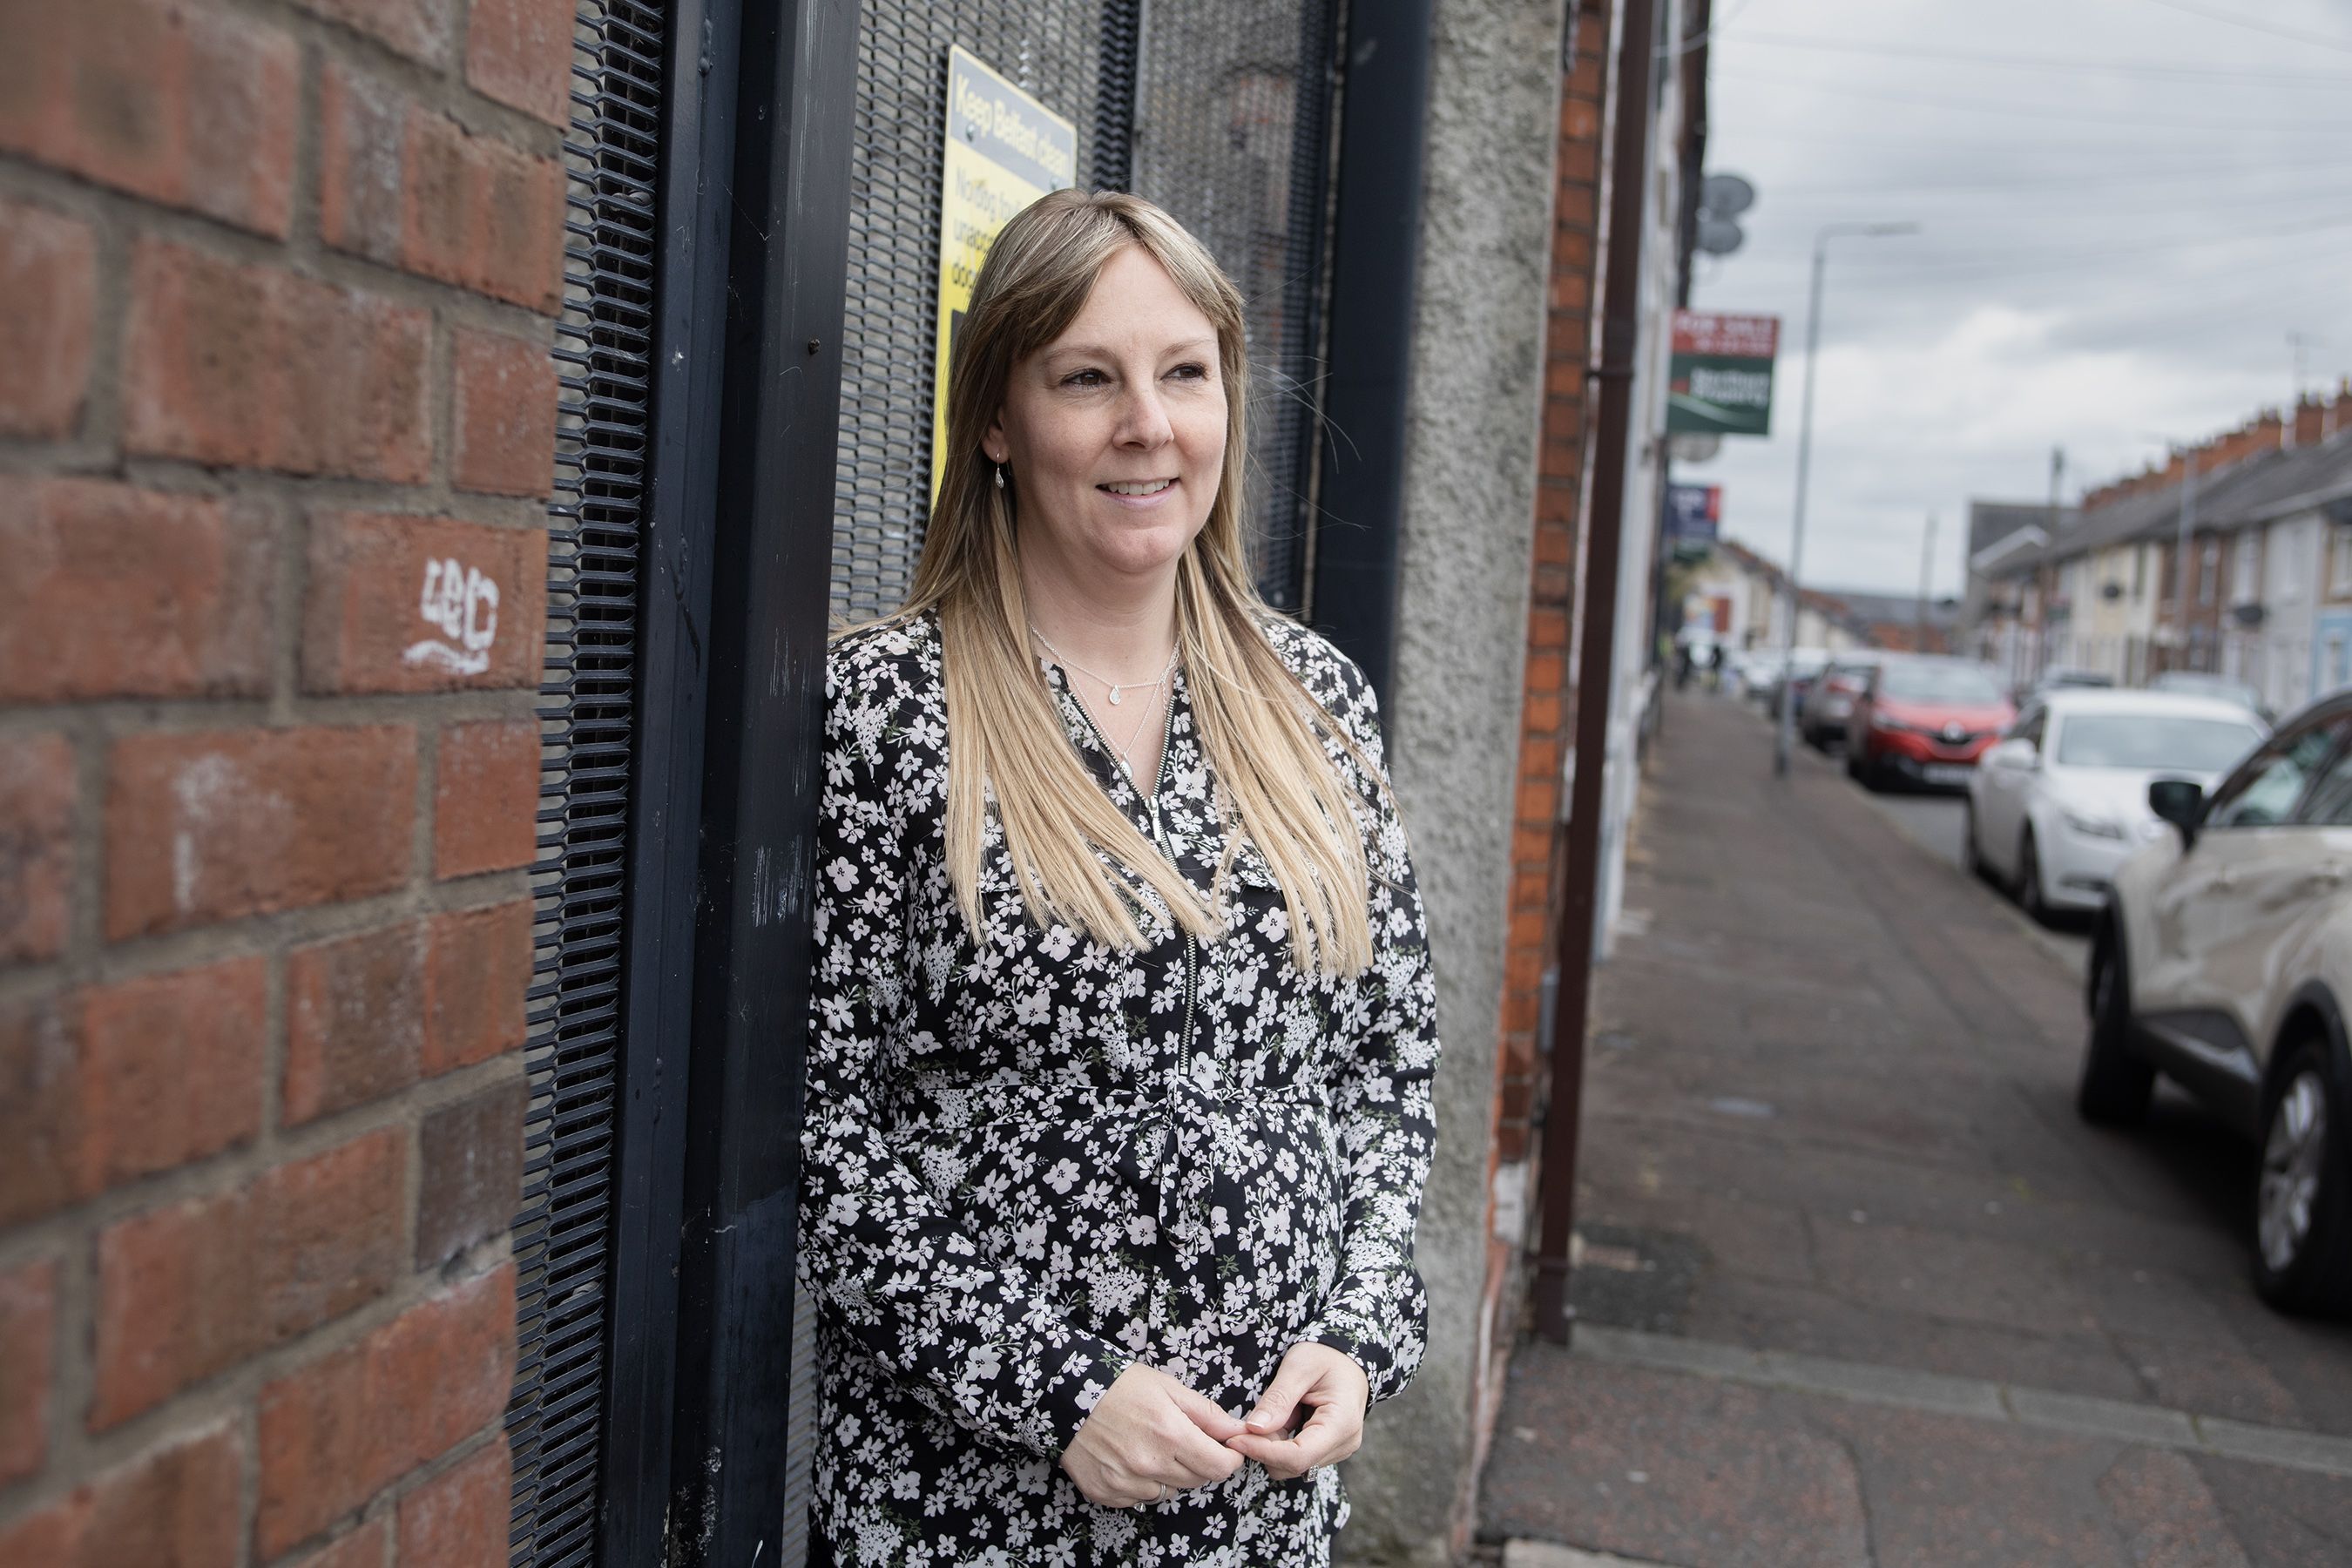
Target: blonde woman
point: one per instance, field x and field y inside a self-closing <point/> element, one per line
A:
<point x="1119" y="1089"/>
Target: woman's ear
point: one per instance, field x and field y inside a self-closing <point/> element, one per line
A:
<point x="992" y="444"/>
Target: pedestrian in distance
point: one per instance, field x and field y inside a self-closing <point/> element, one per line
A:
<point x="1117" y="1110"/>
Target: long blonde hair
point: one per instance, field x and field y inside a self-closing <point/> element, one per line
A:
<point x="1262" y="730"/>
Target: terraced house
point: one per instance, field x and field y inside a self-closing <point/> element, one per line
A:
<point x="2234" y="560"/>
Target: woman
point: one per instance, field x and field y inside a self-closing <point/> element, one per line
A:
<point x="1118" y="1111"/>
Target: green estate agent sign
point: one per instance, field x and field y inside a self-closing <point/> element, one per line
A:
<point x="1721" y="380"/>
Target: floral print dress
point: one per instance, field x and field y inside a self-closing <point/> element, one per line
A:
<point x="1031" y="1159"/>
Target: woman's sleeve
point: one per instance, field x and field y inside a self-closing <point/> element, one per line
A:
<point x="1377" y="1311"/>
<point x="962" y="1332"/>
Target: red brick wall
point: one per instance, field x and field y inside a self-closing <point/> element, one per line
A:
<point x="276" y="426"/>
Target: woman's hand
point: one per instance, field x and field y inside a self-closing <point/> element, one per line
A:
<point x="1310" y="1374"/>
<point x="1146" y="1432"/>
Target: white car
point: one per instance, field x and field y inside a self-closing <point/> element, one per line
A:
<point x="2056" y="805"/>
<point x="2224" y="961"/>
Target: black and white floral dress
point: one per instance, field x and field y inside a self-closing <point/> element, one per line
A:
<point x="1029" y="1159"/>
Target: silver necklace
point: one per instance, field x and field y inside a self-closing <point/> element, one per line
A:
<point x="1116" y="686"/>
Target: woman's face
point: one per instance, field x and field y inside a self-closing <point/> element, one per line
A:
<point x="1115" y="430"/>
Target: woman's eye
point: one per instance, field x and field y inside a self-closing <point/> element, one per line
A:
<point x="1190" y="372"/>
<point x="1082" y="378"/>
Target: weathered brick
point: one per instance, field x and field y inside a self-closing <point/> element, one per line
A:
<point x="503" y="434"/>
<point x="519" y="53"/>
<point x="422" y="29"/>
<point x="172" y="1068"/>
<point x="123" y="592"/>
<point x="469" y="1172"/>
<point x="29" y="1322"/>
<point x="458" y="1518"/>
<point x="354" y="1019"/>
<point x="222" y="824"/>
<point x="49" y="295"/>
<point x="36" y="851"/>
<point x="250" y="366"/>
<point x="476" y="971"/>
<point x="337" y="1431"/>
<point x="412" y="188"/>
<point x="359" y="1548"/>
<point x="485" y="797"/>
<point x="402" y="603"/>
<point x="193" y="106"/>
<point x="174" y="1507"/>
<point x="41" y="1167"/>
<point x="189" y="1290"/>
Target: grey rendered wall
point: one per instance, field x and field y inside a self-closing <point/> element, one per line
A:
<point x="1470" y="483"/>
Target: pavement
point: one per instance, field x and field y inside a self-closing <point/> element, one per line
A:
<point x="1856" y="1287"/>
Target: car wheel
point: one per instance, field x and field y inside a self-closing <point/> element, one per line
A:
<point x="2303" y="1203"/>
<point x="1853" y="765"/>
<point x="2117" y="1081"/>
<point x="2028" y="881"/>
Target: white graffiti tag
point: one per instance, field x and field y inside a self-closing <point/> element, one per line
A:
<point x="463" y="605"/>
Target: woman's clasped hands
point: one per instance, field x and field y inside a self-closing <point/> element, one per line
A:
<point x="1150" y="1437"/>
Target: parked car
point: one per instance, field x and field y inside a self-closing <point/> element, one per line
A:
<point x="1794" y="676"/>
<point x="2058" y="805"/>
<point x="1923" y="721"/>
<point x="1829" y="701"/>
<point x="2063" y="680"/>
<point x="2220" y="687"/>
<point x="2223" y="959"/>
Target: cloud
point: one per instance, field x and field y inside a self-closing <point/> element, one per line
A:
<point x="2113" y="248"/>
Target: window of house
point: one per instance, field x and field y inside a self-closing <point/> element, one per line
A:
<point x="2340" y="560"/>
<point x="2245" y="572"/>
<point x="2139" y="572"/>
<point x="2209" y="572"/>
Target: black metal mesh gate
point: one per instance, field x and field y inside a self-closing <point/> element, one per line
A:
<point x="1219" y="112"/>
<point x="1222" y="111"/>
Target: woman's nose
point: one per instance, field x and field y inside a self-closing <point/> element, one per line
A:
<point x="1143" y="419"/>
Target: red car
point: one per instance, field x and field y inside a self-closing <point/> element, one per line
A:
<point x="1923" y="721"/>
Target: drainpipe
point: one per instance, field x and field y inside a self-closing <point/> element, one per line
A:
<point x="1606" y="525"/>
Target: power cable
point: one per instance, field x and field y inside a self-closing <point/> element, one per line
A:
<point x="2294" y="34"/>
<point x="2064" y="64"/>
<point x="2028" y="111"/>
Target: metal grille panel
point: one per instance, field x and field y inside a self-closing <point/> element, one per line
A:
<point x="1052" y="49"/>
<point x="1230" y="131"/>
<point x="602" y="352"/>
<point x="1219" y="112"/>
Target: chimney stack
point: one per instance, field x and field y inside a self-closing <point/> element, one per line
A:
<point x="2310" y="420"/>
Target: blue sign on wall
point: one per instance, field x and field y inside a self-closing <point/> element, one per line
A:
<point x="1694" y="512"/>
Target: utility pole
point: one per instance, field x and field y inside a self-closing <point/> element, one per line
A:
<point x="1927" y="584"/>
<point x="1787" y="727"/>
<point x="2181" y="550"/>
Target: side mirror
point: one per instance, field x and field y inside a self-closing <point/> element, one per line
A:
<point x="2017" y="752"/>
<point x="2180" y="801"/>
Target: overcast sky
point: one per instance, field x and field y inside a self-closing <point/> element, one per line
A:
<point x="2115" y="244"/>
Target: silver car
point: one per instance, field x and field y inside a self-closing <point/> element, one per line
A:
<point x="2223" y="959"/>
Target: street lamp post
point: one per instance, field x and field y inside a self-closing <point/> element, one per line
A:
<point x="1781" y="735"/>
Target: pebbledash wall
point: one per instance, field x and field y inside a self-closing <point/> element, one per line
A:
<point x="276" y="426"/>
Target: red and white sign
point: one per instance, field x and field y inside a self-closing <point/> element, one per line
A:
<point x="1733" y="337"/>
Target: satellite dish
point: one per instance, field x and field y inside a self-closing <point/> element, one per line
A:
<point x="1718" y="235"/>
<point x="1726" y="195"/>
<point x="1694" y="445"/>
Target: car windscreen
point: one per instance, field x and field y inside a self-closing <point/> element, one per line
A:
<point x="1958" y="684"/>
<point x="2153" y="741"/>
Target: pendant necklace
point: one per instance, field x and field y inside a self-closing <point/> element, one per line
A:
<point x="1116" y="686"/>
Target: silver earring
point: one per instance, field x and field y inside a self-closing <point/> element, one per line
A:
<point x="1000" y="476"/>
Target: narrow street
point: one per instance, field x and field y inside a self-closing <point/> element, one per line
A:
<point x="1856" y="1285"/>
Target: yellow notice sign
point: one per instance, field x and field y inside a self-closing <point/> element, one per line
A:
<point x="1004" y="149"/>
